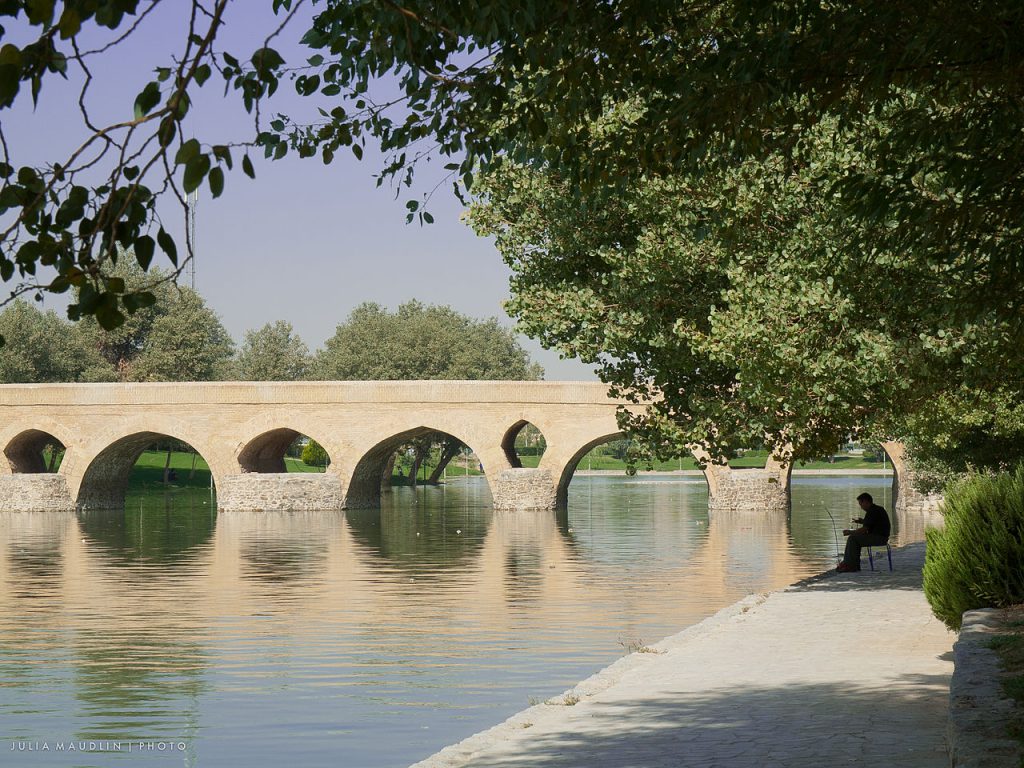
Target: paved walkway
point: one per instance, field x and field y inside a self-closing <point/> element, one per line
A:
<point x="840" y="670"/>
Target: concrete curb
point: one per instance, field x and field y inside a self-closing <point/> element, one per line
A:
<point x="979" y="711"/>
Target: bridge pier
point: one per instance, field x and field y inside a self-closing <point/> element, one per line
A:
<point x="288" y="491"/>
<point x="35" y="492"/>
<point x="748" y="490"/>
<point x="906" y="498"/>
<point x="520" y="488"/>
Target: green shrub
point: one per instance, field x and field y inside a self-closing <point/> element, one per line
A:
<point x="977" y="559"/>
<point x="314" y="455"/>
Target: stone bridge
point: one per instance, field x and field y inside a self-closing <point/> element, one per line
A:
<point x="242" y="430"/>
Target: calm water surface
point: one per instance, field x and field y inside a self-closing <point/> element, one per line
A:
<point x="363" y="639"/>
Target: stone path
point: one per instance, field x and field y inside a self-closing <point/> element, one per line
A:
<point x="840" y="670"/>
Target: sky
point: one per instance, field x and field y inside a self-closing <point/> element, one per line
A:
<point x="304" y="242"/>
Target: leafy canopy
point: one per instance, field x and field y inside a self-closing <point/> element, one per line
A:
<point x="420" y="341"/>
<point x="714" y="84"/>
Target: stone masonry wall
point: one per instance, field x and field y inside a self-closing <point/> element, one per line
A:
<point x="748" y="489"/>
<point x="295" y="491"/>
<point x="524" y="489"/>
<point x="909" y="499"/>
<point x="34" y="492"/>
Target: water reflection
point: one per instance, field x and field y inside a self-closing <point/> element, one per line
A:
<point x="159" y="528"/>
<point x="421" y="530"/>
<point x="370" y="638"/>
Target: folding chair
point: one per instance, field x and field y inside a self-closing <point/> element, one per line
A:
<point x="871" y="559"/>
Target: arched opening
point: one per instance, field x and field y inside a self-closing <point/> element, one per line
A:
<point x="562" y="491"/>
<point x="523" y="445"/>
<point x="34" y="452"/>
<point x="751" y="457"/>
<point x="419" y="456"/>
<point x="283" y="450"/>
<point x="144" y="461"/>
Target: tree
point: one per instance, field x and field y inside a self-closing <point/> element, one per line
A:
<point x="273" y="353"/>
<point x="186" y="343"/>
<point x="314" y="455"/>
<point x="736" y="299"/>
<point x="421" y="341"/>
<point x="715" y="83"/>
<point x="922" y="193"/>
<point x="175" y="338"/>
<point x="41" y="347"/>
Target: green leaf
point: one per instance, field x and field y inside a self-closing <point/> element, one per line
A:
<point x="202" y="74"/>
<point x="195" y="171"/>
<point x="146" y="100"/>
<point x="186" y="152"/>
<point x="216" y="181"/>
<point x="167" y="131"/>
<point x="166" y="243"/>
<point x="247" y="168"/>
<point x="144" y="248"/>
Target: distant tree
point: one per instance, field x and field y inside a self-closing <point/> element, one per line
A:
<point x="41" y="347"/>
<point x="421" y="341"/>
<point x="273" y="353"/>
<point x="176" y="337"/>
<point x="314" y="455"/>
<point x="186" y="343"/>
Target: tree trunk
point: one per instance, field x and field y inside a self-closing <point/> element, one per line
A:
<point x="450" y="450"/>
<point x="167" y="466"/>
<point x="192" y="472"/>
<point x="417" y="459"/>
<point x="53" y="459"/>
<point x="389" y="470"/>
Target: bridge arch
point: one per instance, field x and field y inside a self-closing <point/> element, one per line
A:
<point x="510" y="443"/>
<point x="100" y="479"/>
<point x="568" y="468"/>
<point x="364" y="484"/>
<point x="265" y="453"/>
<point x="24" y="452"/>
<point x="905" y="496"/>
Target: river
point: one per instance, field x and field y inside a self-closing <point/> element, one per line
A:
<point x="169" y="635"/>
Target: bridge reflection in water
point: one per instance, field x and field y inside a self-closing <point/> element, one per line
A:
<point x="378" y="636"/>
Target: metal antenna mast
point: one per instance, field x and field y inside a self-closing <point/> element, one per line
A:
<point x="190" y="235"/>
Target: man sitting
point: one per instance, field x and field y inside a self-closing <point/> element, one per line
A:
<point x="874" y="531"/>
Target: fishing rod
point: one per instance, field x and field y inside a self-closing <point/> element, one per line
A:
<point x="835" y="533"/>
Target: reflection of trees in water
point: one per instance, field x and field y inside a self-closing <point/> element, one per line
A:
<point x="606" y="517"/>
<point x="153" y="528"/>
<point x="285" y="547"/>
<point x="35" y="553"/>
<point x="425" y="538"/>
<point x="131" y="676"/>
<point x="523" y="576"/>
<point x="749" y="549"/>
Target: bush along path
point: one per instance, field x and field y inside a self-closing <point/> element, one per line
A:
<point x="976" y="560"/>
<point x="840" y="670"/>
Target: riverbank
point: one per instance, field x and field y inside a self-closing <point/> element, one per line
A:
<point x="841" y="669"/>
